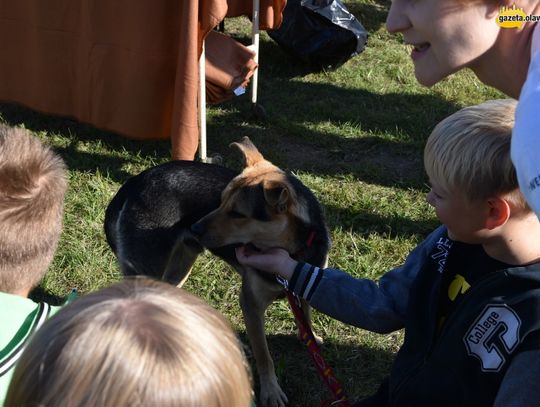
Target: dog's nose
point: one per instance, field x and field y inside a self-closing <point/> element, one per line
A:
<point x="197" y="228"/>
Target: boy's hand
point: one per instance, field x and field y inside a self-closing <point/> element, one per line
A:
<point x="274" y="261"/>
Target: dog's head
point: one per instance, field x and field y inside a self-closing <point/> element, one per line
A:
<point x="259" y="206"/>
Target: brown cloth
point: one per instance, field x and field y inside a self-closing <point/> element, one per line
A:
<point x="127" y="66"/>
<point x="271" y="11"/>
<point x="229" y="65"/>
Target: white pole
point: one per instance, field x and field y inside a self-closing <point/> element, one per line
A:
<point x="202" y="106"/>
<point x="255" y="40"/>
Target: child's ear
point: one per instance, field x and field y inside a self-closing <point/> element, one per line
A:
<point x="494" y="8"/>
<point x="498" y="212"/>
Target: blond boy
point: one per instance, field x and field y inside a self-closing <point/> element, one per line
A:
<point x="32" y="188"/>
<point x="139" y="342"/>
<point x="468" y="296"/>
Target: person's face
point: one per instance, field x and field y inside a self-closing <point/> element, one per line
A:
<point x="464" y="219"/>
<point x="446" y="35"/>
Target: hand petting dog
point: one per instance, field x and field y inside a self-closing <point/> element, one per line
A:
<point x="274" y="260"/>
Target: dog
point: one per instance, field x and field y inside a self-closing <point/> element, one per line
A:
<point x="162" y="219"/>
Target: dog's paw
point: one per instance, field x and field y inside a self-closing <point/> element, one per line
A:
<point x="271" y="394"/>
<point x="318" y="338"/>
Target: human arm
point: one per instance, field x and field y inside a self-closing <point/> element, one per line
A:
<point x="375" y="306"/>
<point x="520" y="384"/>
<point x="358" y="302"/>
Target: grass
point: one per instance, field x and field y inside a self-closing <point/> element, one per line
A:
<point x="354" y="135"/>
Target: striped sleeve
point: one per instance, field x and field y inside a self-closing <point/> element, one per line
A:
<point x="305" y="280"/>
<point x="13" y="350"/>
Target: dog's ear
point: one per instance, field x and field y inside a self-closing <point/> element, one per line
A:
<point x="277" y="195"/>
<point x="250" y="152"/>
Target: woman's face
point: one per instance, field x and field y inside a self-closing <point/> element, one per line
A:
<point x="446" y="35"/>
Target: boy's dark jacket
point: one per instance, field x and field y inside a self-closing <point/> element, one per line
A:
<point x="465" y="361"/>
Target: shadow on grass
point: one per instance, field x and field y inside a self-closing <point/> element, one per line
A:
<point x="79" y="132"/>
<point x="384" y="139"/>
<point x="359" y="369"/>
<point x="366" y="224"/>
<point x="383" y="146"/>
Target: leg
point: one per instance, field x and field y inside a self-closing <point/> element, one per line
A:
<point x="306" y="308"/>
<point x="307" y="313"/>
<point x="180" y="262"/>
<point x="255" y="297"/>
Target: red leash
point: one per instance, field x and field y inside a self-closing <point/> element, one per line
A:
<point x="325" y="371"/>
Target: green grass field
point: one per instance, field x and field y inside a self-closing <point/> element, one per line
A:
<point x="355" y="136"/>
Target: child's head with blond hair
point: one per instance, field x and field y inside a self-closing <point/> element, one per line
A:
<point x="139" y="342"/>
<point x="474" y="187"/>
<point x="469" y="152"/>
<point x="32" y="189"/>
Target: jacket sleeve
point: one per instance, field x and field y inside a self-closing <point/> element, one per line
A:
<point x="378" y="307"/>
<point x="520" y="384"/>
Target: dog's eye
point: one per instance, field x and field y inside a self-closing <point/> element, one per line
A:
<point x="236" y="215"/>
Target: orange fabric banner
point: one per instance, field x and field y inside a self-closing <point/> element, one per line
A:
<point x="126" y="66"/>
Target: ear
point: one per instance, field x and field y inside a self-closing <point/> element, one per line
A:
<point x="276" y="194"/>
<point x="502" y="3"/>
<point x="498" y="213"/>
<point x="250" y="152"/>
<point x="494" y="8"/>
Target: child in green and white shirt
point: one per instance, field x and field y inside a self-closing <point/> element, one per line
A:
<point x="32" y="188"/>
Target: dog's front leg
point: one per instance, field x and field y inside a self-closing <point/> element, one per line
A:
<point x="255" y="297"/>
<point x="180" y="261"/>
<point x="307" y="312"/>
<point x="306" y="308"/>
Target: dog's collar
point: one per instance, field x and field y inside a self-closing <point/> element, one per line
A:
<point x="310" y="238"/>
<point x="309" y="242"/>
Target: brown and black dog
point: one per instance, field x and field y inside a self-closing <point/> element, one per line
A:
<point x="162" y="219"/>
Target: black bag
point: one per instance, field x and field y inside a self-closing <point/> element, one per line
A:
<point x="321" y="33"/>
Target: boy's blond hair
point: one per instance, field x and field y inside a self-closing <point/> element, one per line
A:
<point x="469" y="152"/>
<point x="32" y="189"/>
<point x="137" y="343"/>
